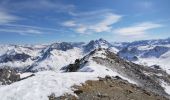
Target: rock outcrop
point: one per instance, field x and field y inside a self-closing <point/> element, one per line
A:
<point x="8" y="76"/>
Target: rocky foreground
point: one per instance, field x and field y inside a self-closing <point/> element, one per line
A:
<point x="109" y="88"/>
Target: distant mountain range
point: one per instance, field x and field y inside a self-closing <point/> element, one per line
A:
<point x="27" y="57"/>
<point x="144" y="63"/>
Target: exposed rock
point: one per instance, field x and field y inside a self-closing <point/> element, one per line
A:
<point x="72" y="67"/>
<point x="28" y="76"/>
<point x="78" y="91"/>
<point x="8" y="76"/>
<point x="117" y="77"/>
<point x="52" y="97"/>
<point x="146" y="77"/>
<point x="108" y="77"/>
<point x="64" y="97"/>
<point x="114" y="90"/>
<point x="102" y="95"/>
<point x="156" y="66"/>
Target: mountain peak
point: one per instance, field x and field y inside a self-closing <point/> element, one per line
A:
<point x="94" y="44"/>
<point x="101" y="39"/>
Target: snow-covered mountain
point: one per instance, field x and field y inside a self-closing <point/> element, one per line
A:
<point x="57" y="55"/>
<point x="59" y="66"/>
<point x="18" y="56"/>
<point x="148" y="52"/>
<point x="47" y="57"/>
<point x="94" y="44"/>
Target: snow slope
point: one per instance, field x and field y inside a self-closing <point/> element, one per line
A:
<point x="102" y="71"/>
<point x="44" y="83"/>
<point x="166" y="86"/>
<point x="57" y="59"/>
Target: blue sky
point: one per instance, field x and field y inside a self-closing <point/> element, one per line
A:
<point x="46" y="21"/>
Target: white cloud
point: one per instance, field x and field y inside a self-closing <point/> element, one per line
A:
<point x="22" y="31"/>
<point x="89" y="13"/>
<point x="137" y="29"/>
<point x="69" y="23"/>
<point x="105" y="24"/>
<point x="102" y="22"/>
<point x="28" y="30"/>
<point x="81" y="29"/>
<point x="36" y="5"/>
<point x="32" y="27"/>
<point x="7" y="18"/>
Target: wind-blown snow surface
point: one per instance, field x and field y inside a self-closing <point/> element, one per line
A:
<point x="43" y="84"/>
<point x="40" y="86"/>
